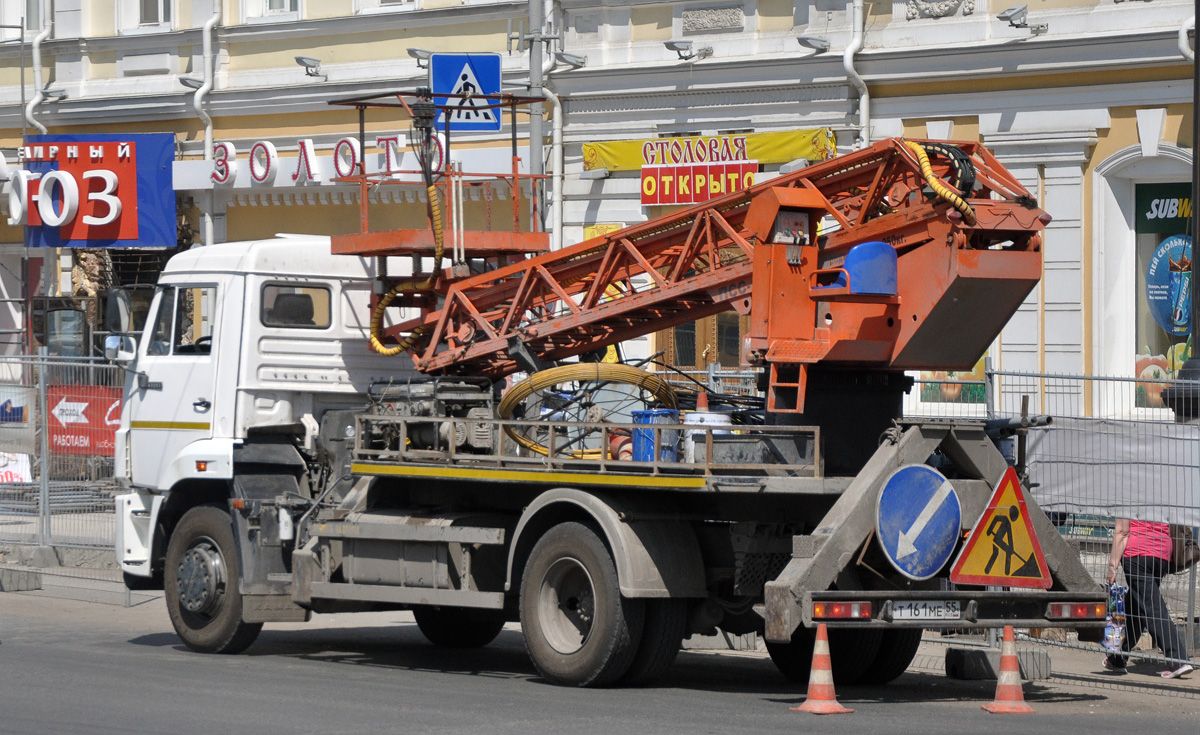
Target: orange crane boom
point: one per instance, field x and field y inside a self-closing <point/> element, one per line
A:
<point x="965" y="235"/>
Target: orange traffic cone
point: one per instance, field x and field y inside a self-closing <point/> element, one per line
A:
<point x="821" y="700"/>
<point x="1010" y="698"/>
<point x="702" y="401"/>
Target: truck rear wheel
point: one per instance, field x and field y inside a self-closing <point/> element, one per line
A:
<point x="579" y="630"/>
<point x="851" y="654"/>
<point x="897" y="649"/>
<point x="459" y="627"/>
<point x="201" y="584"/>
<point x="662" y="636"/>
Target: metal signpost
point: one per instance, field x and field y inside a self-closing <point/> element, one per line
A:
<point x="456" y="79"/>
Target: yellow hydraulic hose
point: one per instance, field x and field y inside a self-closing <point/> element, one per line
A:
<point x="415" y="284"/>
<point x="583" y="372"/>
<point x="939" y="187"/>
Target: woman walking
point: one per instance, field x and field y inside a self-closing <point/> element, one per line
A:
<point x="1143" y="550"/>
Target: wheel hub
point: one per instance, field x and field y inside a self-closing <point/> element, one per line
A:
<point x="201" y="578"/>
<point x="567" y="605"/>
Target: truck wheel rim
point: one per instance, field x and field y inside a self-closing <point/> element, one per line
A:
<point x="566" y="605"/>
<point x="201" y="577"/>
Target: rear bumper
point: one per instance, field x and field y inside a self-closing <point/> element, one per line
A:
<point x="979" y="609"/>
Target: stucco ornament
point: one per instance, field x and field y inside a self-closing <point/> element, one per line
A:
<point x="940" y="9"/>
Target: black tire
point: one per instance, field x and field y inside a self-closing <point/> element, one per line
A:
<point x="897" y="649"/>
<point x="794" y="659"/>
<point x="662" y="636"/>
<point x="201" y="584"/>
<point x="459" y="627"/>
<point x="851" y="653"/>
<point x="579" y="630"/>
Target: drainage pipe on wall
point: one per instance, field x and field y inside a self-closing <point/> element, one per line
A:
<point x="864" y="95"/>
<point x="198" y="103"/>
<point x="37" y="78"/>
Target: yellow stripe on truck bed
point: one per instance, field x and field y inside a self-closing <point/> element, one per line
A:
<point x="569" y="478"/>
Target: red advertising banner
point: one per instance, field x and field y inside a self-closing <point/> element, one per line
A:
<point x="83" y="418"/>
<point x="695" y="183"/>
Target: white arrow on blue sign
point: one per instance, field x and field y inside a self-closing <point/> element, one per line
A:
<point x="918" y="520"/>
<point x="469" y="75"/>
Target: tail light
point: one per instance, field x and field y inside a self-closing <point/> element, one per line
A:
<point x="1076" y="611"/>
<point x="842" y="610"/>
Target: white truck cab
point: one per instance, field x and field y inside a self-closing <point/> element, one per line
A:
<point x="242" y="339"/>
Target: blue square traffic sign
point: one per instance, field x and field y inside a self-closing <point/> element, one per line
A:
<point x="466" y="74"/>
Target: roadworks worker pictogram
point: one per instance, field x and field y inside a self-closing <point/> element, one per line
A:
<point x="1003" y="548"/>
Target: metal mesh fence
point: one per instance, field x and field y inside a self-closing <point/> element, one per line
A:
<point x="57" y="426"/>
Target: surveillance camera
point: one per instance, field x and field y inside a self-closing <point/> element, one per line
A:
<point x="816" y="43"/>
<point x="308" y="62"/>
<point x="574" y="60"/>
<point x="679" y="46"/>
<point x="191" y="82"/>
<point x="419" y="53"/>
<point x="1015" y="15"/>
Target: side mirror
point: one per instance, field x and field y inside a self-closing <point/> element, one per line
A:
<point x="119" y="349"/>
<point x="118" y="311"/>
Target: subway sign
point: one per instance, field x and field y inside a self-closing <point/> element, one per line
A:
<point x="95" y="191"/>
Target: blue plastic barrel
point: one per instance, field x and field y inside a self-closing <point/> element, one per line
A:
<point x="643" y="439"/>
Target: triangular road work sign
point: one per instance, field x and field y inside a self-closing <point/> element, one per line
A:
<point x="468" y="109"/>
<point x="1003" y="548"/>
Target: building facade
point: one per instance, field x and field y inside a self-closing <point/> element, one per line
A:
<point x="1088" y="103"/>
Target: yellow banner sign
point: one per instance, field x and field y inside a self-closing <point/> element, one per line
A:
<point x="631" y="155"/>
<point x="1003" y="548"/>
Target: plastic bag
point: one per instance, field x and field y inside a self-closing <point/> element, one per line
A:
<point x="1114" y="628"/>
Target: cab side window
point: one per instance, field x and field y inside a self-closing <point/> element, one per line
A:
<point x="160" y="335"/>
<point x="306" y="307"/>
<point x="194" y="311"/>
<point x="183" y="323"/>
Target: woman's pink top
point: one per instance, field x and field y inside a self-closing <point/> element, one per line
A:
<point x="1149" y="539"/>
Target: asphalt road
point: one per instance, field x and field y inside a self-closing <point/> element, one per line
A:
<point x="70" y="667"/>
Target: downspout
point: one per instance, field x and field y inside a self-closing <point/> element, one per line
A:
<point x="37" y="78"/>
<point x="864" y="95"/>
<point x="198" y="103"/>
<point x="537" y="22"/>
<point x="1185" y="47"/>
<point x="556" y="154"/>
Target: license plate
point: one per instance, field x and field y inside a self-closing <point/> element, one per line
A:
<point x="926" y="610"/>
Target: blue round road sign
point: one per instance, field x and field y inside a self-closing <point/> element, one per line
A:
<point x="917" y="520"/>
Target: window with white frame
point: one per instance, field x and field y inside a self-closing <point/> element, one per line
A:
<point x="385" y="6"/>
<point x="154" y="12"/>
<point x="270" y="11"/>
<point x="145" y="16"/>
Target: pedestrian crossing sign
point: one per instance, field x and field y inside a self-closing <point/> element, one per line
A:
<point x="459" y="82"/>
<point x="1003" y="549"/>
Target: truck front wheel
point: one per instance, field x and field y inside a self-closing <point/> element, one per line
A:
<point x="579" y="630"/>
<point x="201" y="584"/>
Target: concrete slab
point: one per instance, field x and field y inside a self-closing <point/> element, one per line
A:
<point x="19" y="580"/>
<point x="984" y="663"/>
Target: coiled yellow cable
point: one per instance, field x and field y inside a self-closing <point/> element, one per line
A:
<point x="435" y="216"/>
<point x="583" y="372"/>
<point x="939" y="187"/>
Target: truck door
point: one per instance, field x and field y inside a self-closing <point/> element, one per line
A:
<point x="172" y="403"/>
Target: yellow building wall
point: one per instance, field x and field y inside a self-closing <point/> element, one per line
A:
<point x="314" y="9"/>
<point x="775" y="15"/>
<point x="650" y="24"/>
<point x="103" y="17"/>
<point x="965" y="128"/>
<point x="477" y="37"/>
